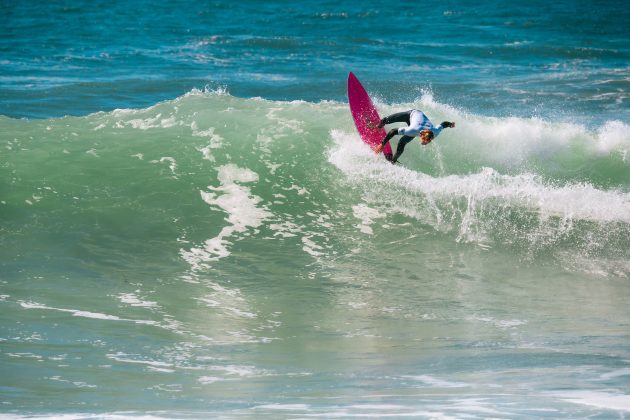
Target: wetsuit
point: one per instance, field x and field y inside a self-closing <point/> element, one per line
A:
<point x="417" y="122"/>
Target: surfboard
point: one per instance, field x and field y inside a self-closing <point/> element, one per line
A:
<point x="365" y="115"/>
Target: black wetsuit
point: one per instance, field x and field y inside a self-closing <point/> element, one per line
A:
<point x="394" y="118"/>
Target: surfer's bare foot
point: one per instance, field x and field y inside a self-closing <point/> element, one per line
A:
<point x="378" y="149"/>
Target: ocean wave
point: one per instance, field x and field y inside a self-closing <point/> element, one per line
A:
<point x="241" y="168"/>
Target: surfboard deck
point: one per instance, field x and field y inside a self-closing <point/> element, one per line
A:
<point x="365" y="115"/>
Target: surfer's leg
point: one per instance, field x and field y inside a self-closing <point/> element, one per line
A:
<point x="397" y="117"/>
<point x="389" y="136"/>
<point x="379" y="148"/>
<point x="401" y="147"/>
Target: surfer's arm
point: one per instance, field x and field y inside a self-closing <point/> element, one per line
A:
<point x="379" y="148"/>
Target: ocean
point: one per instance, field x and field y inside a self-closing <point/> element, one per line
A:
<point x="191" y="227"/>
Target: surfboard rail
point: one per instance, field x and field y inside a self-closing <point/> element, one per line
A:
<point x="365" y="114"/>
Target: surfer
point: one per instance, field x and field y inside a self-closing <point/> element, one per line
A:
<point x="418" y="125"/>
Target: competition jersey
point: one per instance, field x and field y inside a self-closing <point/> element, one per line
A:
<point x="419" y="122"/>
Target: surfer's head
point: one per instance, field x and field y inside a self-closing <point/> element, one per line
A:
<point x="426" y="136"/>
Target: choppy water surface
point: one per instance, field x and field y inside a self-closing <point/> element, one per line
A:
<point x="232" y="250"/>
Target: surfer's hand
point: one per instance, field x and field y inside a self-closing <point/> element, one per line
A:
<point x="381" y="124"/>
<point x="378" y="149"/>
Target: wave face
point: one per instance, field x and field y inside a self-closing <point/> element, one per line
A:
<point x="212" y="163"/>
<point x="212" y="242"/>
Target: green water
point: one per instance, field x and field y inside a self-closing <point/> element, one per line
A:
<point x="214" y="256"/>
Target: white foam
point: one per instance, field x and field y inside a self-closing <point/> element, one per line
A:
<point x="614" y="136"/>
<point x="231" y="373"/>
<point x="570" y="201"/>
<point x="133" y="300"/>
<point x="172" y="163"/>
<point x="311" y="247"/>
<point x="577" y="201"/>
<point x="207" y="155"/>
<point x="25" y="355"/>
<point x="512" y="141"/>
<point x="300" y="190"/>
<point x="435" y="382"/>
<point x="125" y="358"/>
<point x="84" y="314"/>
<point x="367" y="216"/>
<point x="615" y="374"/>
<point x="82" y="416"/>
<point x="145" y="123"/>
<point x="229" y="300"/>
<point x="600" y="399"/>
<point x="503" y="324"/>
<point x="75" y="383"/>
<point x="207" y="91"/>
<point x="284" y="126"/>
<point x="205" y="380"/>
<point x="242" y="209"/>
<point x="216" y="141"/>
<point x="476" y="405"/>
<point x="291" y="407"/>
<point x="162" y="370"/>
<point x="377" y="407"/>
<point x="237" y="370"/>
<point x="285" y="229"/>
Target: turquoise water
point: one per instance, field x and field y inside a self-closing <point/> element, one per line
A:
<point x="191" y="227"/>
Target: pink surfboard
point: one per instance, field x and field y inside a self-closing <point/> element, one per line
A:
<point x="365" y="116"/>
